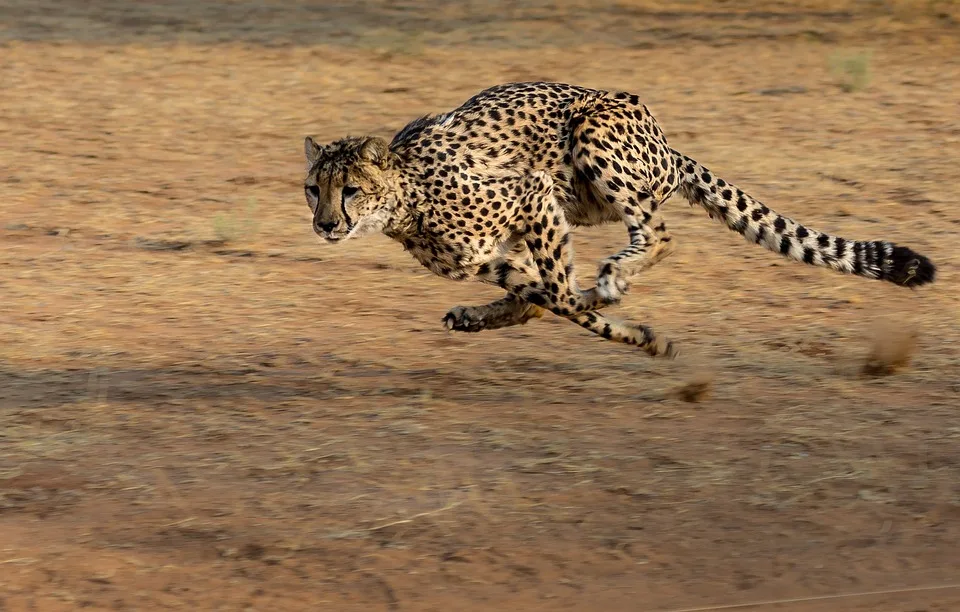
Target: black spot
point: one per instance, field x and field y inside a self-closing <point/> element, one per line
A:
<point x="699" y="195"/>
<point x="823" y="240"/>
<point x="779" y="225"/>
<point x="785" y="245"/>
<point x="740" y="225"/>
<point x="808" y="254"/>
<point x="503" y="271"/>
<point x="536" y="298"/>
<point x="802" y="232"/>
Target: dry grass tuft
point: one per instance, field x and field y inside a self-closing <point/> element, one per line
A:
<point x="851" y="69"/>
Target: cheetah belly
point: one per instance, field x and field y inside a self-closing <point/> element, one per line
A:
<point x="580" y="206"/>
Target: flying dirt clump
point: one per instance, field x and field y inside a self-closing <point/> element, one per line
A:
<point x="892" y="348"/>
<point x="697" y="384"/>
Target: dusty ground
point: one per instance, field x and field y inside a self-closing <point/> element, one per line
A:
<point x="203" y="408"/>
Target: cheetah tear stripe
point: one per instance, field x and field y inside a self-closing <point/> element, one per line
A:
<point x="760" y="225"/>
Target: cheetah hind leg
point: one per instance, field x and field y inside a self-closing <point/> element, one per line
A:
<point x="616" y="272"/>
<point x="641" y="336"/>
<point x="504" y="312"/>
<point x="516" y="275"/>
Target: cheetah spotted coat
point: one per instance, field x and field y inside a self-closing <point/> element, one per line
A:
<point x="491" y="190"/>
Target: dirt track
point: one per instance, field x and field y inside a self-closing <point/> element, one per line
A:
<point x="203" y="408"/>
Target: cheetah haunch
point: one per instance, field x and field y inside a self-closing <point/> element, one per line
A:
<point x="491" y="190"/>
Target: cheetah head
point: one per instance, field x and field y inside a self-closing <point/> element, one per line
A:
<point x="348" y="187"/>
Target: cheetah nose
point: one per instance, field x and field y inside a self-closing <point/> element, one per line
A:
<point x="326" y="228"/>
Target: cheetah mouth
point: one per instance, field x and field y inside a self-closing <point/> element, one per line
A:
<point x="333" y="236"/>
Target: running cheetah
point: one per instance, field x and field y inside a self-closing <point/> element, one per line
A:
<point x="491" y="190"/>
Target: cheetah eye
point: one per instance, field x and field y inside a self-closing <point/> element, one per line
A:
<point x="349" y="191"/>
<point x="313" y="191"/>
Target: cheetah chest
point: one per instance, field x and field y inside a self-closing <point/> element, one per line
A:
<point x="449" y="249"/>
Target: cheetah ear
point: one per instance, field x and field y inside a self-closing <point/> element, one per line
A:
<point x="375" y="149"/>
<point x="312" y="151"/>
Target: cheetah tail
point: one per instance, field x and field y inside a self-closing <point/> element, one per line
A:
<point x="758" y="224"/>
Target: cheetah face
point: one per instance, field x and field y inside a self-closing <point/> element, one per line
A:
<point x="346" y="187"/>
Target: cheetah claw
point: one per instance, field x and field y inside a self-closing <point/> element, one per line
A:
<point x="464" y="319"/>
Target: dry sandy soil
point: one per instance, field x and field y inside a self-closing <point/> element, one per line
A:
<point x="203" y="408"/>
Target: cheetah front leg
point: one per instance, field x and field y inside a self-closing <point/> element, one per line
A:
<point x="539" y="268"/>
<point x="505" y="312"/>
<point x="546" y="233"/>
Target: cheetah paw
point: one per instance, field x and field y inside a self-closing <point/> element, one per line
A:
<point x="464" y="319"/>
<point x="610" y="286"/>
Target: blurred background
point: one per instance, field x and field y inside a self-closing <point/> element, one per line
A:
<point x="202" y="407"/>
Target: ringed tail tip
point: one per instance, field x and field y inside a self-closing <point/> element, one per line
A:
<point x="909" y="268"/>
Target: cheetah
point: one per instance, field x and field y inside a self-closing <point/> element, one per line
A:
<point x="490" y="191"/>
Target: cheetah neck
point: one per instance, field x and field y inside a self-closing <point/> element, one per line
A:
<point x="403" y="210"/>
